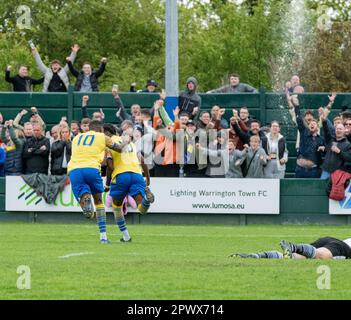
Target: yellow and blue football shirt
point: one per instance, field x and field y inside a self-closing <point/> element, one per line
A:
<point x="125" y="161"/>
<point x="88" y="150"/>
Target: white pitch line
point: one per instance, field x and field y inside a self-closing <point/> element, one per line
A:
<point x="75" y="255"/>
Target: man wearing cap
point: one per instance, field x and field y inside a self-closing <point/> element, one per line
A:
<point x="55" y="78"/>
<point x="150" y="86"/>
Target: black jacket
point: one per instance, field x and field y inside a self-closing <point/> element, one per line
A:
<point x="36" y="160"/>
<point x="57" y="150"/>
<point x="245" y="136"/>
<point x="93" y="77"/>
<point x="334" y="161"/>
<point x="22" y="84"/>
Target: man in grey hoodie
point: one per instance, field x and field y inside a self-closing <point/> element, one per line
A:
<point x="234" y="86"/>
<point x="56" y="77"/>
<point x="189" y="99"/>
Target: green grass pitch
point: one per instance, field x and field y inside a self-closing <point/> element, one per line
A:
<point x="164" y="262"/>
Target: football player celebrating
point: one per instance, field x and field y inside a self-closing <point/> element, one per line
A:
<point x="88" y="151"/>
<point x="125" y="177"/>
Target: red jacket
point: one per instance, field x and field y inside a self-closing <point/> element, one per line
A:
<point x="339" y="179"/>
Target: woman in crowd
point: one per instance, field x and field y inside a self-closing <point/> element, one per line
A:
<point x="277" y="155"/>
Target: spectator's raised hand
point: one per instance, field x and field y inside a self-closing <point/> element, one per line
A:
<point x="34" y="110"/>
<point x="75" y="48"/>
<point x="321" y="114"/>
<point x="10" y="123"/>
<point x="8" y="68"/>
<point x="211" y="125"/>
<point x="34" y="51"/>
<point x="295" y="100"/>
<point x="158" y="104"/>
<point x="102" y="114"/>
<point x="85" y="100"/>
<point x="68" y="59"/>
<point x="246" y="146"/>
<point x="287" y="86"/>
<point x="159" y="123"/>
<point x="6" y="124"/>
<point x="23" y="112"/>
<point x="104" y="60"/>
<point x="289" y="99"/>
<point x="114" y="90"/>
<point x="196" y="111"/>
<point x="332" y="97"/>
<point x="176" y="112"/>
<point x="163" y="94"/>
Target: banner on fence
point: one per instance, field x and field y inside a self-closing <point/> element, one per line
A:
<point x="187" y="195"/>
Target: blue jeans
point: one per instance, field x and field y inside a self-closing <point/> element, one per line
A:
<point x="301" y="172"/>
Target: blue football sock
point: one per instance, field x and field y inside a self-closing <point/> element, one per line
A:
<point x="121" y="223"/>
<point x="101" y="220"/>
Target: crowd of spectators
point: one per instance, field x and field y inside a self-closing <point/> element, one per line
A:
<point x="192" y="143"/>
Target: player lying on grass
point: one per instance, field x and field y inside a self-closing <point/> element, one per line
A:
<point x="323" y="248"/>
<point x="88" y="152"/>
<point x="125" y="177"/>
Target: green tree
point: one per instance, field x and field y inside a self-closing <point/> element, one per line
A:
<point x="216" y="42"/>
<point x="129" y="33"/>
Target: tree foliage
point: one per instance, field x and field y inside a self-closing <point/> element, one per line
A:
<point x="326" y="67"/>
<point x="216" y="38"/>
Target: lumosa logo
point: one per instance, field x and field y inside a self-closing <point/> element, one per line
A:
<point x="29" y="195"/>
